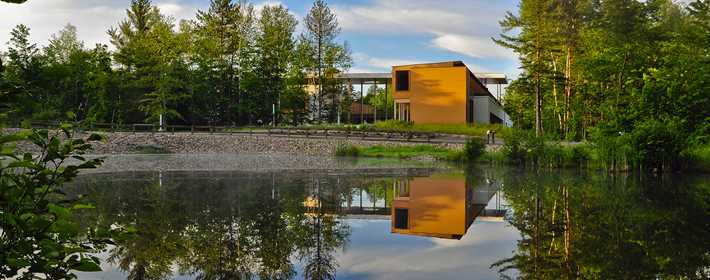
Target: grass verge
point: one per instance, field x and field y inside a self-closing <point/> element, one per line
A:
<point x="699" y="158"/>
<point x="476" y="130"/>
<point x="401" y="152"/>
<point x="473" y="149"/>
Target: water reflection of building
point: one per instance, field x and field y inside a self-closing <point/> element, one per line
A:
<point x="438" y="206"/>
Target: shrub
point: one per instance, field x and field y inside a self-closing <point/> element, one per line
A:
<point x="40" y="238"/>
<point x="612" y="149"/>
<point x="346" y="150"/>
<point x="697" y="158"/>
<point x="658" y="144"/>
<point x="473" y="149"/>
<point x="26" y="124"/>
<point x="523" y="147"/>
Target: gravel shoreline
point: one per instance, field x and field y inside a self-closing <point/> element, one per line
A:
<point x="203" y="143"/>
<point x="226" y="152"/>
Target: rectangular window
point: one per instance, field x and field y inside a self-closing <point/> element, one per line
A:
<point x="401" y="189"/>
<point x="402" y="80"/>
<point x="402" y="111"/>
<point x="401" y="218"/>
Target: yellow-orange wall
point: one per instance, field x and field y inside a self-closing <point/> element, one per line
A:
<point x="437" y="207"/>
<point x="436" y="94"/>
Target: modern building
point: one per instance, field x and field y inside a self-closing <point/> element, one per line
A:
<point x="446" y="92"/>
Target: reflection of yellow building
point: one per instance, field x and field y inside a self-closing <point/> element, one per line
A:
<point x="441" y="207"/>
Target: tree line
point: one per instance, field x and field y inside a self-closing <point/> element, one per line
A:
<point x="626" y="74"/>
<point x="231" y="65"/>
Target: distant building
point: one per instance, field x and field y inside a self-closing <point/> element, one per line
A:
<point x="446" y="92"/>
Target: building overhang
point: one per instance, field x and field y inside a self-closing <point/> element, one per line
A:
<point x="356" y="78"/>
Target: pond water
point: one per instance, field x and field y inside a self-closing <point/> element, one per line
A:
<point x="480" y="223"/>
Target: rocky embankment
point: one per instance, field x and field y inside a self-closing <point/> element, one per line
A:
<point x="204" y="143"/>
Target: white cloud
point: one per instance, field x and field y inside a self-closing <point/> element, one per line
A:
<point x="473" y="46"/>
<point x="259" y="6"/>
<point x="377" y="64"/>
<point x="459" y="26"/>
<point x="171" y="9"/>
<point x="46" y="17"/>
<point x="378" y="19"/>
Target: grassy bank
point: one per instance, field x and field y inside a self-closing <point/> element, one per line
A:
<point x="523" y="149"/>
<point x="475" y="130"/>
<point x="472" y="150"/>
<point x="699" y="158"/>
<point x="401" y="152"/>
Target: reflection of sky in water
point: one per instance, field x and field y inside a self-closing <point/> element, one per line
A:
<point x="375" y="253"/>
<point x="372" y="250"/>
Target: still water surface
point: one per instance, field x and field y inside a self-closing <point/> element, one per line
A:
<point x="423" y="224"/>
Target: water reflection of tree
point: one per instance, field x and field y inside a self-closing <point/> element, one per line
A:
<point x="596" y="227"/>
<point x="222" y="228"/>
<point x="324" y="233"/>
<point x="150" y="254"/>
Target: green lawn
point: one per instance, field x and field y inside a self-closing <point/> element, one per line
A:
<point x="476" y="130"/>
<point x="401" y="152"/>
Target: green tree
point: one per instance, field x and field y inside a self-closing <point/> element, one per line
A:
<point x="533" y="43"/>
<point x="608" y="71"/>
<point x="327" y="58"/>
<point x="104" y="100"/>
<point x="380" y="100"/>
<point x="224" y="39"/>
<point x="276" y="54"/>
<point x="63" y="45"/>
<point x="151" y="56"/>
<point x="295" y="99"/>
<point x="22" y="73"/>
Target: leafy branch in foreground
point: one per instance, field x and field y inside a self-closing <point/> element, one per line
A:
<point x="38" y="236"/>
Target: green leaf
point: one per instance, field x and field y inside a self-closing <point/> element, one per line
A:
<point x="59" y="211"/>
<point x="83" y="206"/>
<point x="87" y="265"/>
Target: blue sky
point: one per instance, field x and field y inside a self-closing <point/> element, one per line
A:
<point x="381" y="33"/>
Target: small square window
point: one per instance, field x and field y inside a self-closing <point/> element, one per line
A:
<point x="401" y="218"/>
<point x="402" y="80"/>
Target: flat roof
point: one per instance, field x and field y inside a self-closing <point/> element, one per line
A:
<point x="492" y="78"/>
<point x="365" y="76"/>
<point x="486" y="78"/>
